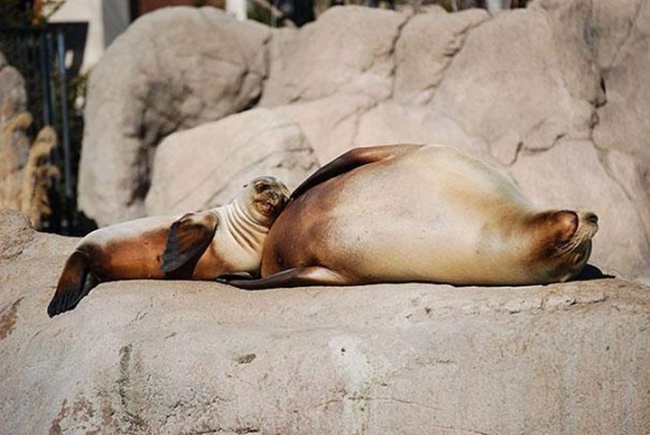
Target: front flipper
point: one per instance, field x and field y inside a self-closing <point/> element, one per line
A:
<point x="351" y="160"/>
<point x="188" y="238"/>
<point x="298" y="277"/>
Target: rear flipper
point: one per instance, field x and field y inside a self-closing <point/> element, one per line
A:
<point x="73" y="284"/>
<point x="298" y="277"/>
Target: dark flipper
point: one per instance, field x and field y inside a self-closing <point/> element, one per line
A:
<point x="188" y="239"/>
<point x="350" y="160"/>
<point x="590" y="272"/>
<point x="298" y="277"/>
<point x="71" y="287"/>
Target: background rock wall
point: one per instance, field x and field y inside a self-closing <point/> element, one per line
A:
<point x="554" y="95"/>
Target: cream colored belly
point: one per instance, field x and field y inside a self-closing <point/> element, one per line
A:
<point x="227" y="255"/>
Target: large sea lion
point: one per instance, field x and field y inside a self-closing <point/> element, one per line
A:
<point x="200" y="246"/>
<point x="419" y="213"/>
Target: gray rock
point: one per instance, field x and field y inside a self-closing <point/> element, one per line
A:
<point x="331" y="124"/>
<point x="391" y="122"/>
<point x="347" y="51"/>
<point x="160" y="357"/>
<point x="172" y="70"/>
<point x="207" y="165"/>
<point x="425" y="48"/>
<point x="625" y="60"/>
<point x="508" y="80"/>
<point x="18" y="233"/>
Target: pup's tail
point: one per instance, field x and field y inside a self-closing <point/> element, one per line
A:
<point x="72" y="284"/>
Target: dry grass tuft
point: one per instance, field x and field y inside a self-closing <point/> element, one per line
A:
<point x="25" y="188"/>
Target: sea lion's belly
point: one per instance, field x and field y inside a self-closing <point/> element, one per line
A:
<point x="430" y="242"/>
<point x="230" y="250"/>
<point x="432" y="216"/>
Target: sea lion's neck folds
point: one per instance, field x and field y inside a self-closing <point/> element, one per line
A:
<point x="248" y="232"/>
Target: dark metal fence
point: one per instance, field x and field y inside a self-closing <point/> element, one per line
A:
<point x="49" y="57"/>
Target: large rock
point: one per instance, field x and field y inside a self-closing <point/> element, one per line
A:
<point x="207" y="165"/>
<point x="331" y="124"/>
<point x="172" y="70"/>
<point x="507" y="80"/>
<point x="157" y="357"/>
<point x="349" y="50"/>
<point x="425" y="48"/>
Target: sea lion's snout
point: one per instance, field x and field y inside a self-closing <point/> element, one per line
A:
<point x="270" y="195"/>
<point x="591" y="217"/>
<point x="275" y="198"/>
<point x="588" y="223"/>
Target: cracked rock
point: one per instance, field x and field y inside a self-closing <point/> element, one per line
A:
<point x="347" y="51"/>
<point x="425" y="48"/>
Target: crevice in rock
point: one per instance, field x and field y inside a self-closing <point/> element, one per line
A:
<point x="135" y="422"/>
<point x="518" y="151"/>
<point x="458" y="44"/>
<point x="523" y="150"/>
<point x="603" y="88"/>
<point x="633" y="24"/>
<point x="393" y="47"/>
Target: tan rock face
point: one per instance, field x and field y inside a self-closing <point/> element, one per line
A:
<point x="348" y="51"/>
<point x="173" y="70"/>
<point x="553" y="95"/>
<point x="161" y="357"/>
<point x="206" y="166"/>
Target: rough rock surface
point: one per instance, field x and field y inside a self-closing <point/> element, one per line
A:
<point x="554" y="95"/>
<point x="174" y="69"/>
<point x="193" y="357"/>
<point x="347" y="51"/>
<point x="207" y="165"/>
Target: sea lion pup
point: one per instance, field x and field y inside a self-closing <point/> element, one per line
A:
<point x="418" y="213"/>
<point x="200" y="246"/>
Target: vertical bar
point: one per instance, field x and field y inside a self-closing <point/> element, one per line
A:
<point x="60" y="42"/>
<point x="55" y="203"/>
<point x="44" y="77"/>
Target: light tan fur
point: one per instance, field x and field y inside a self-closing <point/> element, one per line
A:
<point x="419" y="213"/>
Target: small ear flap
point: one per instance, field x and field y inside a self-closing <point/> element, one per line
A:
<point x="188" y="238"/>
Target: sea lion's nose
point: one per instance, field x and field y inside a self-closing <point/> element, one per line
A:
<point x="591" y="217"/>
